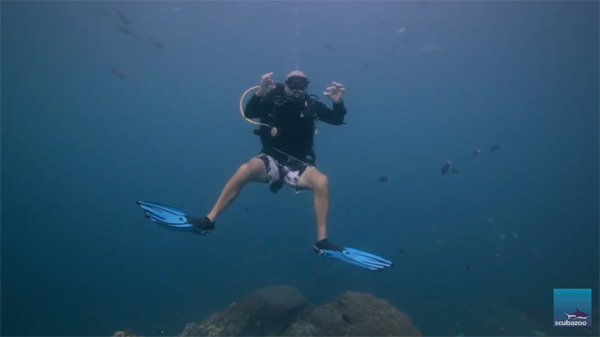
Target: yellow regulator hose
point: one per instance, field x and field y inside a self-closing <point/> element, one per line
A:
<point x="242" y="108"/>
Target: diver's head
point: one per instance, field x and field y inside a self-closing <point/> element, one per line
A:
<point x="296" y="84"/>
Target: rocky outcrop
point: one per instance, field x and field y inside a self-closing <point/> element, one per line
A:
<point x="283" y="311"/>
<point x="353" y="314"/>
<point x="267" y="312"/>
<point x="126" y="333"/>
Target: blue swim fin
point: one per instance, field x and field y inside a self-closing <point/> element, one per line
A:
<point x="176" y="219"/>
<point x="353" y="256"/>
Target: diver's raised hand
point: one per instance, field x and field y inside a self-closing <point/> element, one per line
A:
<point x="335" y="92"/>
<point x="266" y="84"/>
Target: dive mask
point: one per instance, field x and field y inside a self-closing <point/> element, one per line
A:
<point x="297" y="82"/>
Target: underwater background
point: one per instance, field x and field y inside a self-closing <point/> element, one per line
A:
<point x="106" y="103"/>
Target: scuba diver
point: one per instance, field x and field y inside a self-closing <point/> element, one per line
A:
<point x="288" y="116"/>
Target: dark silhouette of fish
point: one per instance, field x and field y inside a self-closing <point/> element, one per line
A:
<point x="118" y="73"/>
<point x="384" y="179"/>
<point x="468" y="267"/>
<point x="346" y="319"/>
<point x="329" y="47"/>
<point x="121" y="16"/>
<point x="494" y="148"/>
<point x="447" y="167"/>
<point x="155" y="42"/>
<point x="126" y="31"/>
<point x="476" y="152"/>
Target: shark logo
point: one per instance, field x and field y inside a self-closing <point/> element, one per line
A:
<point x="567" y="299"/>
<point x="576" y="315"/>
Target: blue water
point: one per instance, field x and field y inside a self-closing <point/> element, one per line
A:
<point x="477" y="253"/>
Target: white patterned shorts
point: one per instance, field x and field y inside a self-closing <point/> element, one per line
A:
<point x="279" y="174"/>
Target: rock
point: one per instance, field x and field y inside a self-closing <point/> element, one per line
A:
<point x="283" y="311"/>
<point x="126" y="333"/>
<point x="353" y="314"/>
<point x="269" y="311"/>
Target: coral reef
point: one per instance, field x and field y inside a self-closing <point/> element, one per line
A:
<point x="267" y="312"/>
<point x="126" y="333"/>
<point x="283" y="311"/>
<point x="353" y="314"/>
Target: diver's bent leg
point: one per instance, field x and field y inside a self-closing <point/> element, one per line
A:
<point x="318" y="182"/>
<point x="253" y="170"/>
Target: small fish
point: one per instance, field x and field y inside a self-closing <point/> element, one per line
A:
<point x="384" y="178"/>
<point x="155" y="42"/>
<point x="346" y="319"/>
<point x="118" y="73"/>
<point x="160" y="331"/>
<point x="468" y="267"/>
<point x="494" y="148"/>
<point x="515" y="235"/>
<point x="447" y="167"/>
<point x="476" y="152"/>
<point x="121" y="16"/>
<point x="329" y="47"/>
<point x="502" y="236"/>
<point x="126" y="31"/>
<point x="401" y="30"/>
<point x="400" y="250"/>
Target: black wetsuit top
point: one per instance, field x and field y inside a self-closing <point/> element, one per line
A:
<point x="295" y="123"/>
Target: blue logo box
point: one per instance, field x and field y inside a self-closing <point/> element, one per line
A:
<point x="573" y="307"/>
